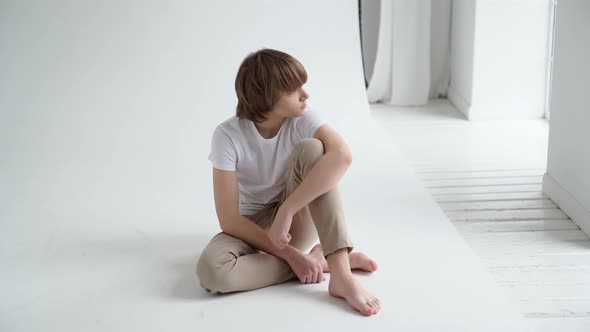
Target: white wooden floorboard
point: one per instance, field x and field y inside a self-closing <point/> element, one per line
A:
<point x="557" y="260"/>
<point x="487" y="189"/>
<point x="500" y="215"/>
<point x="516" y="225"/>
<point x="526" y="238"/>
<point x="556" y="307"/>
<point x="563" y="324"/>
<point x="512" y="181"/>
<point x="426" y="176"/>
<point x="573" y="290"/>
<point x="438" y="170"/>
<point x="563" y="276"/>
<point x="498" y="205"/>
<point x="488" y="197"/>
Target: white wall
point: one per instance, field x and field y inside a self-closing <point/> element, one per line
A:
<point x="511" y="40"/>
<point x="567" y="180"/>
<point x="462" y="34"/>
<point x="499" y="58"/>
<point x="107" y="108"/>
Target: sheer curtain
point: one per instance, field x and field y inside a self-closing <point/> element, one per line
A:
<point x="413" y="50"/>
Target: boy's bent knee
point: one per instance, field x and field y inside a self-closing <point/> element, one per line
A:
<point x="310" y="149"/>
<point x="213" y="274"/>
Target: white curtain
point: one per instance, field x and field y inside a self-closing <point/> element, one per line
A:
<point x="412" y="60"/>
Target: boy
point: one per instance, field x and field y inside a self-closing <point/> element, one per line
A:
<point x="276" y="165"/>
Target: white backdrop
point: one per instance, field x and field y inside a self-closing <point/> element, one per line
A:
<point x="107" y="110"/>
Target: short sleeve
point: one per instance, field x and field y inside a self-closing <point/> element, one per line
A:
<point x="223" y="154"/>
<point x="309" y="123"/>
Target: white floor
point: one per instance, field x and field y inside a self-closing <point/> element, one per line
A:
<point x="487" y="178"/>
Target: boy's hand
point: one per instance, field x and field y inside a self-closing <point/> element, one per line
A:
<point x="279" y="230"/>
<point x="307" y="268"/>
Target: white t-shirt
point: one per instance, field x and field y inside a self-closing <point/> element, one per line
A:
<point x="261" y="164"/>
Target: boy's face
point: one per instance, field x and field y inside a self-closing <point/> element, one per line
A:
<point x="292" y="104"/>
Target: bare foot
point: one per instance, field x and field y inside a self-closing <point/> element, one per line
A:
<point x="358" y="260"/>
<point x="348" y="288"/>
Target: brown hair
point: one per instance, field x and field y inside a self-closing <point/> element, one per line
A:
<point x="262" y="78"/>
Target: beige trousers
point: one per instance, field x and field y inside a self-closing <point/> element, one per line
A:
<point x="228" y="264"/>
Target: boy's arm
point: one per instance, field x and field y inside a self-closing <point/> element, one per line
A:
<point x="225" y="187"/>
<point x="248" y="231"/>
